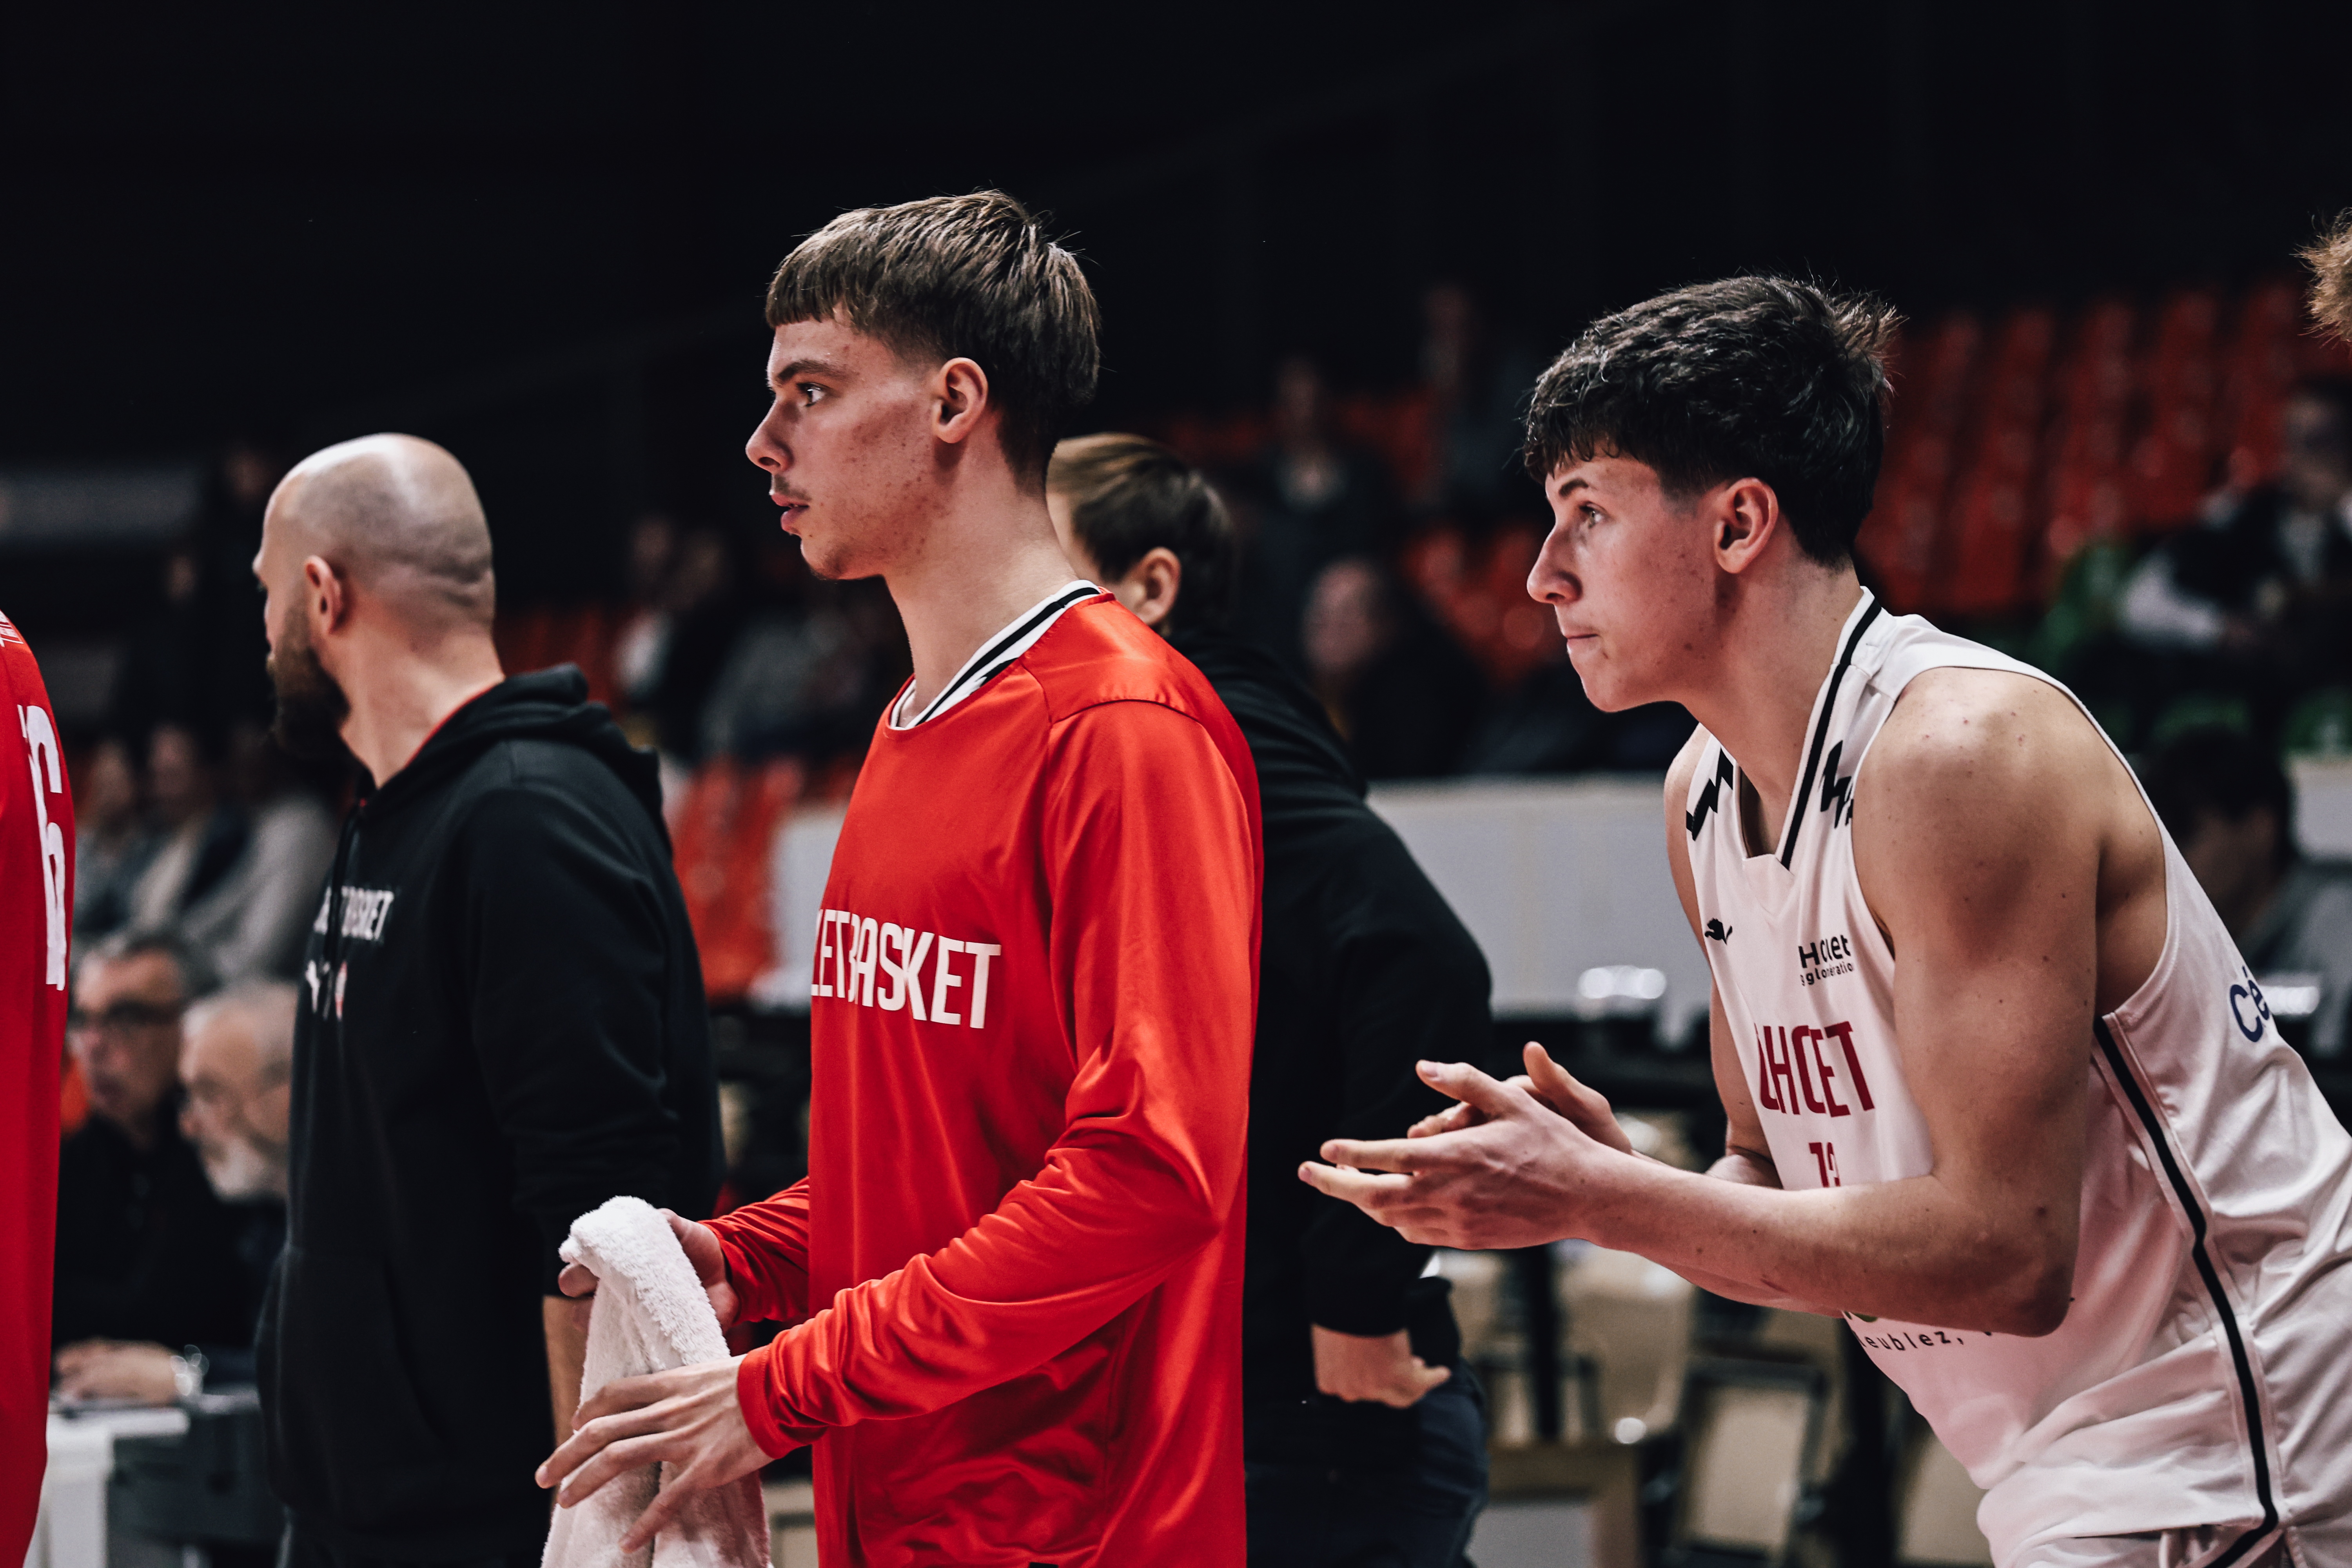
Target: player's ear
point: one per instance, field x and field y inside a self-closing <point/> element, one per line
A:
<point x="1745" y="516"/>
<point x="960" y="389"/>
<point x="1162" y="577"/>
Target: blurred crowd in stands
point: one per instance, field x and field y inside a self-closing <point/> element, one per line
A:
<point x="2154" y="502"/>
<point x="2151" y="498"/>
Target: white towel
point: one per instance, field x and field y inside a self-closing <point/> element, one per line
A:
<point x="650" y="1314"/>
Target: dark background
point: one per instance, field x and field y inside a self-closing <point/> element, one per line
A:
<point x="540" y="236"/>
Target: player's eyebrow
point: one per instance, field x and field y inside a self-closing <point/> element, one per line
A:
<point x="801" y="367"/>
<point x="1572" y="484"/>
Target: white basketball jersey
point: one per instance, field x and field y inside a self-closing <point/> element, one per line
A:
<point x="2200" y="1377"/>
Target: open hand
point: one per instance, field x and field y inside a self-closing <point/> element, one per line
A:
<point x="702" y="1250"/>
<point x="1381" y="1368"/>
<point x="1519" y="1172"/>
<point x="688" y="1416"/>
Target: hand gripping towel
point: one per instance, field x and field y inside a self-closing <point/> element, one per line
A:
<point x="650" y="1314"/>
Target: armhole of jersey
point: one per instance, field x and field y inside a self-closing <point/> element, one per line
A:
<point x="1992" y="659"/>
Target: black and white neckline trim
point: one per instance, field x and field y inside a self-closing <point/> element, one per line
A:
<point x="1858" y="621"/>
<point x="1018" y="637"/>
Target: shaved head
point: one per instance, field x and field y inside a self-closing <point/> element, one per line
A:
<point x="398" y="517"/>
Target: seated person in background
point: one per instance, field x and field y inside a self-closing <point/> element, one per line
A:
<point x="238" y="1069"/>
<point x="145" y="1251"/>
<point x="111" y="844"/>
<point x="1361" y="1429"/>
<point x="2230" y="807"/>
<point x="2267" y="576"/>
<point x="201" y="837"/>
<point x="1404" y="696"/>
<point x="254" y="922"/>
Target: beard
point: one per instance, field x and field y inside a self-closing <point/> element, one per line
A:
<point x="310" y="706"/>
<point x="240" y="1171"/>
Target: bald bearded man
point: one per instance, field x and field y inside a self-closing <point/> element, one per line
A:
<point x="501" y="1025"/>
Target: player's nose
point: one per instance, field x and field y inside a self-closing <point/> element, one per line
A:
<point x="765" y="450"/>
<point x="1549" y="581"/>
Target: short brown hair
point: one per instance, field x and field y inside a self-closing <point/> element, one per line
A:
<point x="1128" y="497"/>
<point x="1772" y="378"/>
<point x="2330" y="260"/>
<point x="971" y="277"/>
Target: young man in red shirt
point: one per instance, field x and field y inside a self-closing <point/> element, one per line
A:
<point x="1015" y="1270"/>
<point x="36" y="837"/>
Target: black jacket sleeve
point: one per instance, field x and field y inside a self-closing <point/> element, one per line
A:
<point x="1408" y="983"/>
<point x="568" y="957"/>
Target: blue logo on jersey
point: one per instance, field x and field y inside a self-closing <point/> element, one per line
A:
<point x="2250" y="992"/>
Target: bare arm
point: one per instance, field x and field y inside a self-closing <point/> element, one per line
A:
<point x="567" y="1355"/>
<point x="1979" y="832"/>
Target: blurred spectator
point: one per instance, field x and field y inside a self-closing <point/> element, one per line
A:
<point x="642" y="642"/>
<point x="111" y="844"/>
<point x="161" y="677"/>
<point x="2229" y="805"/>
<point x="201" y="837"/>
<point x="2264" y="580"/>
<point x="812" y="665"/>
<point x="145" y="1247"/>
<point x="237" y="1067"/>
<point x="1476" y="389"/>
<point x="254" y="921"/>
<point x="702" y="610"/>
<point x="1317" y="499"/>
<point x="1402" y="694"/>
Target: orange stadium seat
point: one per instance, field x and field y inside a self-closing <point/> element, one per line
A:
<point x="2085" y="497"/>
<point x="1934" y="376"/>
<point x="1990" y="532"/>
<point x="2172" y="462"/>
<point x="725" y="832"/>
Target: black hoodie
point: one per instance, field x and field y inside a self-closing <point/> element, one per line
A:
<point x="1363" y="970"/>
<point x="504" y="1028"/>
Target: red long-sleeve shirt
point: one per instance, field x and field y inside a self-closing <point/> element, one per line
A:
<point x="1031" y="1029"/>
<point x="37" y="840"/>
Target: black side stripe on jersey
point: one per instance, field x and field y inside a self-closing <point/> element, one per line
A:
<point x="989" y="659"/>
<point x="1821" y="732"/>
<point x="2247" y="1392"/>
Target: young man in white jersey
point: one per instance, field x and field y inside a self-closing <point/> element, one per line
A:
<point x="1999" y="1088"/>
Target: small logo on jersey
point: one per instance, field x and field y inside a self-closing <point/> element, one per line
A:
<point x="2248" y="1007"/>
<point x="1825" y="959"/>
<point x="1795" y="1075"/>
<point x="1717" y="931"/>
<point x="1709" y="798"/>
<point x="1837" y="794"/>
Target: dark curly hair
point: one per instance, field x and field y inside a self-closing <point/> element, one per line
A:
<point x="1750" y="377"/>
<point x="974" y="277"/>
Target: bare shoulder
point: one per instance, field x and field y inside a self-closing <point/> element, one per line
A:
<point x="1983" y="790"/>
<point x="1991" y="810"/>
<point x="1980" y="745"/>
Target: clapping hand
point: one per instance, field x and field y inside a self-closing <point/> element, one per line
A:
<point x="1513" y="1164"/>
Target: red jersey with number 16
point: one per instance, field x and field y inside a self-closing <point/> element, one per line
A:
<point x="1022" y="1229"/>
<point x="36" y="836"/>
